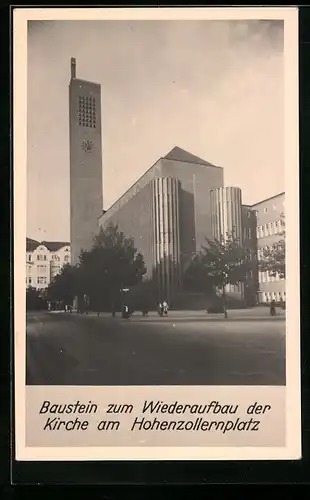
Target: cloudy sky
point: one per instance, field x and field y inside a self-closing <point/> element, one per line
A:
<point x="213" y="88"/>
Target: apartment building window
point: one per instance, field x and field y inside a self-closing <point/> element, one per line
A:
<point x="42" y="269"/>
<point x="55" y="257"/>
<point x="265" y="210"/>
<point x="276" y="227"/>
<point x="29" y="257"/>
<point x="29" y="280"/>
<point x="41" y="257"/>
<point x="42" y="280"/>
<point x="66" y="259"/>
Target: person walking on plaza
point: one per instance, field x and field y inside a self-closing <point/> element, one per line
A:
<point x="160" y="309"/>
<point x="272" y="308"/>
<point x="126" y="313"/>
<point x="165" y="308"/>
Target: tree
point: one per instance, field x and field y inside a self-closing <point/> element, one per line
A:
<point x="217" y="264"/>
<point x="272" y="258"/>
<point x="112" y="264"/>
<point x="64" y="285"/>
<point x="34" y="300"/>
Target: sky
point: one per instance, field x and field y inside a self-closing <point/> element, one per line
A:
<point x="213" y="88"/>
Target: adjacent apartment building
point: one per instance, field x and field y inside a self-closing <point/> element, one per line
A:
<point x="44" y="261"/>
<point x="269" y="229"/>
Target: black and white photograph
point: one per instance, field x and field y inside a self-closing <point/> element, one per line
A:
<point x="157" y="206"/>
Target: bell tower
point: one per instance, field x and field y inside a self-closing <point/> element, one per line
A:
<point x="85" y="162"/>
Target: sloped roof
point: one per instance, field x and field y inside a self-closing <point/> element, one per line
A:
<point x="178" y="154"/>
<point x="52" y="246"/>
<point x="31" y="245"/>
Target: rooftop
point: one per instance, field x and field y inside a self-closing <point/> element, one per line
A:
<point x="178" y="154"/>
<point x="52" y="246"/>
<point x="267" y="199"/>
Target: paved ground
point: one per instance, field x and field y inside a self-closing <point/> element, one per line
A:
<point x="187" y="348"/>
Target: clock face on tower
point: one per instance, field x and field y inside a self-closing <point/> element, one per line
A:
<point x="87" y="146"/>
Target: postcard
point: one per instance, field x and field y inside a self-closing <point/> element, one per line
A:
<point x="156" y="234"/>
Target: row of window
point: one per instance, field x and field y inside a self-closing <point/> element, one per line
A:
<point x="265" y="210"/>
<point x="269" y="296"/>
<point x="41" y="257"/>
<point x="274" y="207"/>
<point x="44" y="257"/>
<point x="85" y="122"/>
<point x="87" y="100"/>
<point x="87" y="108"/>
<point x="43" y="268"/>
<point x="42" y="280"/>
<point x="269" y="229"/>
<point x="264" y="277"/>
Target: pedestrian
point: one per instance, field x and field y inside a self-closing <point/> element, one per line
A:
<point x="160" y="309"/>
<point x="125" y="312"/>
<point x="165" y="308"/>
<point x="272" y="308"/>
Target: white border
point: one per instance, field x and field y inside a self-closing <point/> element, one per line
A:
<point x="293" y="414"/>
